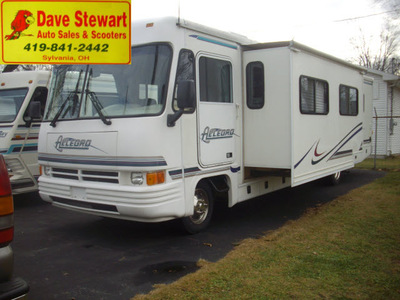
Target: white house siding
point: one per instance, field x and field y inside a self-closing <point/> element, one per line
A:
<point x="388" y="142"/>
<point x="380" y="110"/>
<point x="394" y="135"/>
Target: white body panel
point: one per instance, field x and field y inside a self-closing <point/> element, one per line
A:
<point x="336" y="141"/>
<point x="267" y="139"/>
<point x="19" y="142"/>
<point x="89" y="165"/>
<point x="312" y="146"/>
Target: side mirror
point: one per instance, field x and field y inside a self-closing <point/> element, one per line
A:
<point x="186" y="100"/>
<point x="186" y="94"/>
<point x="33" y="113"/>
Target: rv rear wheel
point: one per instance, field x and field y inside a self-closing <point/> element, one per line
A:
<point x="203" y="202"/>
<point x="334" y="179"/>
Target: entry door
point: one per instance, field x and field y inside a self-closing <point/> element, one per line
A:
<point x="29" y="153"/>
<point x="216" y="111"/>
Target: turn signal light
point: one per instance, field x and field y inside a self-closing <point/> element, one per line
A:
<point x="155" y="178"/>
<point x="6" y="205"/>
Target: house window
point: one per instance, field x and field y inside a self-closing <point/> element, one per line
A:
<point x="215" y="80"/>
<point x="314" y="96"/>
<point x="348" y="100"/>
<point x="255" y="89"/>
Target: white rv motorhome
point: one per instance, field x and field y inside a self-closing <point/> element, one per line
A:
<point x="198" y="111"/>
<point x="22" y="95"/>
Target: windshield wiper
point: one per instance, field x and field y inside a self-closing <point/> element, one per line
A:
<point x="97" y="105"/>
<point x="95" y="101"/>
<point x="72" y="95"/>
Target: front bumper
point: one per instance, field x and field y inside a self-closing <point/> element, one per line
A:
<point x="10" y="288"/>
<point x="16" y="288"/>
<point x="144" y="204"/>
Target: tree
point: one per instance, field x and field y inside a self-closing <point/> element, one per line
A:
<point x="12" y="68"/>
<point x="385" y="56"/>
<point x="391" y="6"/>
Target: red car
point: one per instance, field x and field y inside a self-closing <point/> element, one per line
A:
<point x="10" y="287"/>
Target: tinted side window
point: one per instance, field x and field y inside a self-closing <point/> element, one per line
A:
<point x="215" y="80"/>
<point x="255" y="89"/>
<point x="314" y="96"/>
<point x="348" y="100"/>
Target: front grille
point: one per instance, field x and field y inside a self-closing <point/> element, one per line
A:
<point x="83" y="204"/>
<point x="22" y="183"/>
<point x="85" y="175"/>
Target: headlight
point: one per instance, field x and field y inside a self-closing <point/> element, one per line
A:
<point x="137" y="178"/>
<point x="46" y="170"/>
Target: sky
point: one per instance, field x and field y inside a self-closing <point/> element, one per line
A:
<point x="325" y="25"/>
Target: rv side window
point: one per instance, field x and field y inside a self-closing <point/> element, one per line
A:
<point x="215" y="80"/>
<point x="255" y="85"/>
<point x="10" y="103"/>
<point x="348" y="100"/>
<point x="314" y="96"/>
<point x="185" y="71"/>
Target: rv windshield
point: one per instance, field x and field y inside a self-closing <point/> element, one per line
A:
<point x="108" y="91"/>
<point x="10" y="103"/>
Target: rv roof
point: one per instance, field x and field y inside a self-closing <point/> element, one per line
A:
<point x="385" y="76"/>
<point x="173" y="21"/>
<point x="230" y="36"/>
<point x="245" y="43"/>
<point x="300" y="47"/>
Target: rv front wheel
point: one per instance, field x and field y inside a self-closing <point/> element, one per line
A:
<point x="203" y="202"/>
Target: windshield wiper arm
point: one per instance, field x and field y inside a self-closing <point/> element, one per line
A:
<point x="57" y="116"/>
<point x="70" y="96"/>
<point x="97" y="105"/>
<point x="95" y="101"/>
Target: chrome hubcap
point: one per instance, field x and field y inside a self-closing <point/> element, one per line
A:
<point x="200" y="207"/>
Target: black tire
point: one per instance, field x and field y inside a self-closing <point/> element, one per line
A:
<point x="203" y="209"/>
<point x="334" y="179"/>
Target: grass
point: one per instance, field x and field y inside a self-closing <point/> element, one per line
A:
<point x="391" y="163"/>
<point x="346" y="249"/>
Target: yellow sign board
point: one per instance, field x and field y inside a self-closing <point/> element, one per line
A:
<point x="65" y="32"/>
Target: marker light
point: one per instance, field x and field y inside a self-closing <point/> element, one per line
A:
<point x="155" y="178"/>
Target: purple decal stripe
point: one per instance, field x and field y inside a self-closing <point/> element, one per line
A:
<point x="105" y="161"/>
<point x="305" y="155"/>
<point x="337" y="147"/>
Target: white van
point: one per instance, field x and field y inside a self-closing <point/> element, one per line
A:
<point x="22" y="101"/>
<point x="198" y="111"/>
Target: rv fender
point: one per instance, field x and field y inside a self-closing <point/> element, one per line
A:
<point x="219" y="183"/>
<point x="203" y="206"/>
